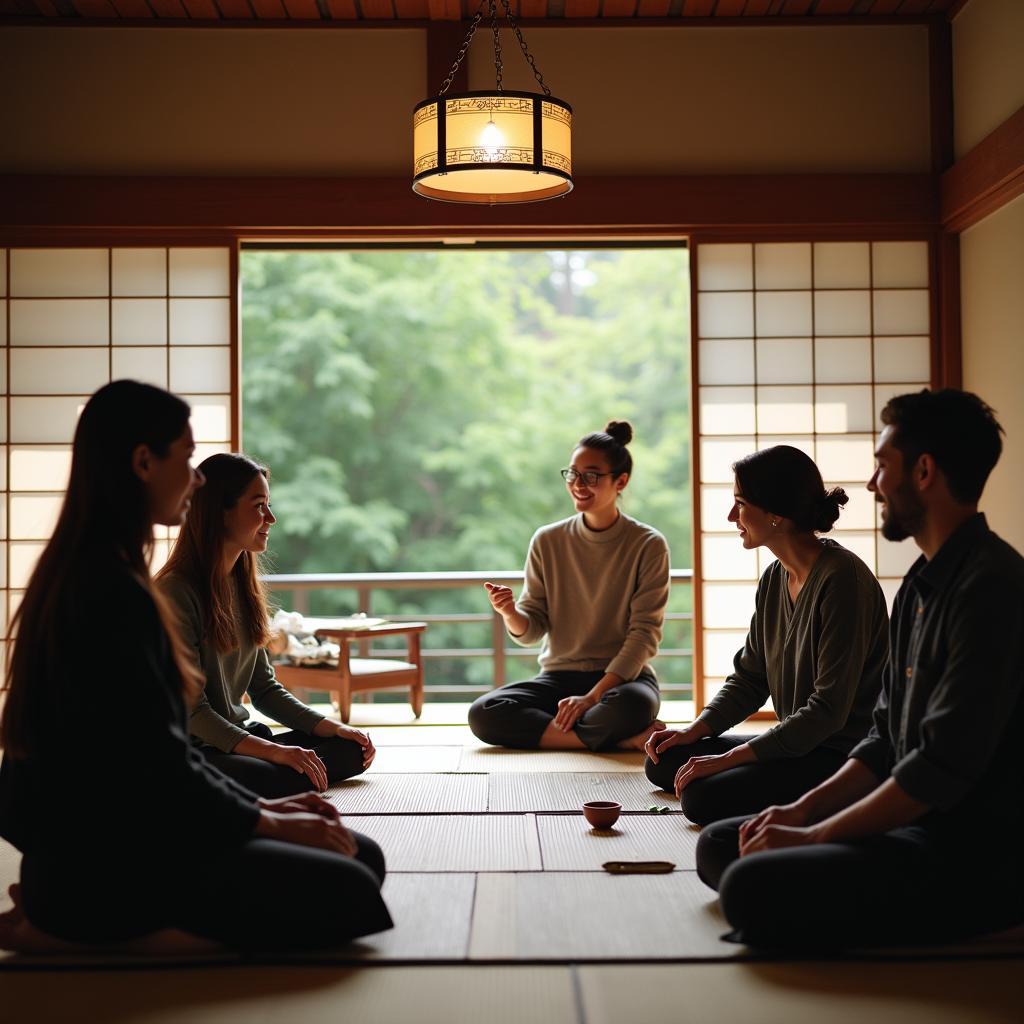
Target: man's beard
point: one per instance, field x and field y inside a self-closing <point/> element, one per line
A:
<point x="904" y="513"/>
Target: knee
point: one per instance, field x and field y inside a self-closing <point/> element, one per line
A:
<point x="485" y="715"/>
<point x="368" y="852"/>
<point x="698" y="803"/>
<point x="718" y="846"/>
<point x="740" y="891"/>
<point x="661" y="774"/>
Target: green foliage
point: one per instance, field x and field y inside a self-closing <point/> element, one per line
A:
<point x="415" y="406"/>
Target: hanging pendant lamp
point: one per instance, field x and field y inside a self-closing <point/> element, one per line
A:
<point x="495" y="146"/>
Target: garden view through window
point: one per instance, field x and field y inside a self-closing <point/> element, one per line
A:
<point x="415" y="407"/>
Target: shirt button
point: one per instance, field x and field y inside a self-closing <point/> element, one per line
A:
<point x="910" y="672"/>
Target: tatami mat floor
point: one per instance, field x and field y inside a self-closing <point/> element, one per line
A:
<point x="500" y="902"/>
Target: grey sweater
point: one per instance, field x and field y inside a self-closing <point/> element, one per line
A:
<point x="597" y="598"/>
<point x="819" y="659"/>
<point x="218" y="717"/>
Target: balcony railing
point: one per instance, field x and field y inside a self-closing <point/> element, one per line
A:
<point x="676" y="683"/>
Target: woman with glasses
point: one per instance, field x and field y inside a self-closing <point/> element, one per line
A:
<point x="595" y="593"/>
<point x="212" y="580"/>
<point x="816" y="647"/>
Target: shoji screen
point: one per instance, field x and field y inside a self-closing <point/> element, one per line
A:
<point x="75" y="319"/>
<point x="802" y="344"/>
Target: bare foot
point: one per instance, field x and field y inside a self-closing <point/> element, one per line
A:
<point x="637" y="742"/>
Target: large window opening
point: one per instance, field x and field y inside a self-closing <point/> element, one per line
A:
<point x="415" y="407"/>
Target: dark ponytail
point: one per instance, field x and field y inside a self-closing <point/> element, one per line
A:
<point x="612" y="441"/>
<point x="785" y="481"/>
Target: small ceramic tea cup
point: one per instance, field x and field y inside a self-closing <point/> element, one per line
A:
<point x="602" y="813"/>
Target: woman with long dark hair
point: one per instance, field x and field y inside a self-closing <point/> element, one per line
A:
<point x="127" y="834"/>
<point x="595" y="592"/>
<point x="816" y="646"/>
<point x="212" y="580"/>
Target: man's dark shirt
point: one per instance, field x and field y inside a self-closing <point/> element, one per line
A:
<point x="948" y="723"/>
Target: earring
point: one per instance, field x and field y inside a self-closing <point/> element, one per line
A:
<point x="775" y="522"/>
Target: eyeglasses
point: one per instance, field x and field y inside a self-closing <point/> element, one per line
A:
<point x="589" y="477"/>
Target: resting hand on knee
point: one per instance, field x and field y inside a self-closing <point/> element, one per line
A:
<point x="571" y="709"/>
<point x="304" y="803"/>
<point x="664" y="739"/>
<point x="785" y="816"/>
<point x="712" y="764"/>
<point x="329" y="727"/>
<point x="307" y="830"/>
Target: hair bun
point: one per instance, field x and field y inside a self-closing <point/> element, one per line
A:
<point x="620" y="431"/>
<point x="827" y="510"/>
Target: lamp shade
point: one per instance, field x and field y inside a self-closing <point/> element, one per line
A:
<point x="492" y="147"/>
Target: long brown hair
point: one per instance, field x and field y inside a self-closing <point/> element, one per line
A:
<point x="198" y="555"/>
<point x="105" y="519"/>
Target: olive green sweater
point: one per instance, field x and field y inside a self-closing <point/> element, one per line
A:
<point x="218" y="717"/>
<point x="820" y="659"/>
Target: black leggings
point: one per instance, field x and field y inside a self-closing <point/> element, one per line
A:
<point x="517" y="715"/>
<point x="265" y="895"/>
<point x="906" y="886"/>
<point x="342" y="758"/>
<point x="746" y="789"/>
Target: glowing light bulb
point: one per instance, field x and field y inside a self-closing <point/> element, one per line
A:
<point x="492" y="140"/>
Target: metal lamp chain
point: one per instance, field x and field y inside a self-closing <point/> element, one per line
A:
<point x="497" y="45"/>
<point x="477" y="18"/>
<point x="522" y="45"/>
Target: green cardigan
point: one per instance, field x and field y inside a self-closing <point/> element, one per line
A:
<point x="219" y="716"/>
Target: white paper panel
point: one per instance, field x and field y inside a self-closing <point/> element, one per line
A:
<point x="860" y="542"/>
<point x="782" y="265"/>
<point x="33" y="516"/>
<point x="883" y="392"/>
<point x="785" y="361"/>
<point x="842" y="360"/>
<point x="3" y="468"/>
<point x="724" y="267"/>
<point x="23" y="558"/>
<point x="139" y="271"/>
<point x="139" y="322"/>
<point x="201" y="370"/>
<point x="36" y="420"/>
<point x="39" y="468"/>
<point x="58" y="371"/>
<point x="717" y="454"/>
<point x="726" y="410"/>
<point x="3" y="529"/>
<point x="725" y="558"/>
<point x="846" y="458"/>
<point x="896" y="557"/>
<point x="59" y="322"/>
<point x="3" y="421"/>
<point x="70" y="272"/>
<point x="3" y="271"/>
<point x="900" y="264"/>
<point x="842" y="313"/>
<point x="843" y="409"/>
<point x="201" y="322"/>
<point x="726" y="361"/>
<point x="716" y="501"/>
<point x="211" y="417"/>
<point x="148" y="365"/>
<point x="901" y="312"/>
<point x="720" y="650"/>
<point x="902" y="359"/>
<point x="805" y="442"/>
<point x="728" y="605"/>
<point x="842" y="265"/>
<point x="764" y="559"/>
<point x="785" y="410"/>
<point x="205" y="450"/>
<point x="859" y="512"/>
<point x="160" y="553"/>
<point x="783" y="314"/>
<point x="890" y="587"/>
<point x="3" y="322"/>
<point x="199" y="272"/>
<point x="726" y="314"/>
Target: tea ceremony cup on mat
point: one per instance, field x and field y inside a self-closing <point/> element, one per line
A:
<point x="602" y="813"/>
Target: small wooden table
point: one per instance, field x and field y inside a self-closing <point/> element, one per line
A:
<point x="354" y="675"/>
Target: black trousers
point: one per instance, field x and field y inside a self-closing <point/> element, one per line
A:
<point x="265" y="895"/>
<point x="517" y="715"/>
<point x="343" y="759"/>
<point x="746" y="789"/>
<point x="910" y="885"/>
